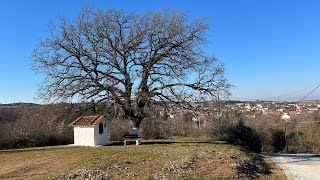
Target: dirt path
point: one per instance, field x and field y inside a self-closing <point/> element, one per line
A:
<point x="298" y="166"/>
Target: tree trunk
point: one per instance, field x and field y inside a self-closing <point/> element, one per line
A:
<point x="135" y="126"/>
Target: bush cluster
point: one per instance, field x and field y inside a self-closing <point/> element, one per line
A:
<point x="29" y="126"/>
<point x="244" y="136"/>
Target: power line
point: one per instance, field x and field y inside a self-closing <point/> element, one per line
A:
<point x="309" y="93"/>
<point x="284" y="95"/>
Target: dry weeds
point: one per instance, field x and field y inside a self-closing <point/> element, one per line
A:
<point x="196" y="159"/>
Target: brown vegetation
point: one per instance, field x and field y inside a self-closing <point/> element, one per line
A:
<point x="301" y="133"/>
<point x="40" y="125"/>
<point x="161" y="159"/>
<point x="28" y="126"/>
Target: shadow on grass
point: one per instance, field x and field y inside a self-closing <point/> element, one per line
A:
<point x="174" y="141"/>
<point x="42" y="148"/>
<point x="170" y="141"/>
<point x="254" y="167"/>
<point x="119" y="143"/>
<point x="158" y="142"/>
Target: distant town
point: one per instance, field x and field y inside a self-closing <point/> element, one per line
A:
<point x="253" y="108"/>
<point x="248" y="108"/>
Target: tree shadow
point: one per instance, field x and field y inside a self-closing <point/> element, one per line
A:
<point x="254" y="167"/>
<point x="172" y="141"/>
<point x="40" y="148"/>
<point x="296" y="158"/>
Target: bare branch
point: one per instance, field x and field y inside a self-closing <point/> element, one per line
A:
<point x="130" y="59"/>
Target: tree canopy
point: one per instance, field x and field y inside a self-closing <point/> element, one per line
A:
<point x="130" y="59"/>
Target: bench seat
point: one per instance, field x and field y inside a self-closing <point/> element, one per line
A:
<point x="132" y="138"/>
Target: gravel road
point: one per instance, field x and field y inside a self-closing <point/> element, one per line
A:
<point x="298" y="166"/>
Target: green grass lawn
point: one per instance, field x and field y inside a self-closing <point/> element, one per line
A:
<point x="162" y="159"/>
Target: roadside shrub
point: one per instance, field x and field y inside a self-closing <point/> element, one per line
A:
<point x="278" y="140"/>
<point x="242" y="135"/>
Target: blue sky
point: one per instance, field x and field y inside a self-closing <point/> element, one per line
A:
<point x="270" y="48"/>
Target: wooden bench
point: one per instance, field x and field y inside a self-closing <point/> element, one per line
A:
<point x="132" y="138"/>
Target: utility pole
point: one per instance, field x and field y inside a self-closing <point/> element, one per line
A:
<point x="286" y="119"/>
<point x="285" y="136"/>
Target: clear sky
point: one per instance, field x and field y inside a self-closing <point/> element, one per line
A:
<point x="270" y="48"/>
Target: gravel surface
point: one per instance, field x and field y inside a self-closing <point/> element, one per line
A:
<point x="298" y="166"/>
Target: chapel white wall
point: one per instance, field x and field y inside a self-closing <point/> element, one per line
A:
<point x="101" y="139"/>
<point x="84" y="135"/>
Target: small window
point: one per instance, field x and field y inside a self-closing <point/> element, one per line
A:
<point x="100" y="128"/>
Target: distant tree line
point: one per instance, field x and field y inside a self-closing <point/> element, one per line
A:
<point x="42" y="125"/>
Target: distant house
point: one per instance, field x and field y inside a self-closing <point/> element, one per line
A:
<point x="90" y="130"/>
<point x="285" y="117"/>
<point x="275" y="113"/>
<point x="199" y="122"/>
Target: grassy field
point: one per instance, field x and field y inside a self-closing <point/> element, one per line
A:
<point x="165" y="159"/>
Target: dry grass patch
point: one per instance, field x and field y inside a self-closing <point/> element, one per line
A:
<point x="35" y="162"/>
<point x="168" y="159"/>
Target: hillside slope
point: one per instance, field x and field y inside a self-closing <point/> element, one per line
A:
<point x="186" y="159"/>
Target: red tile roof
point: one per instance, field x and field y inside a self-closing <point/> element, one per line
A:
<point x="87" y="121"/>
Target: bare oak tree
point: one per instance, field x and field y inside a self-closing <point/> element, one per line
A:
<point x="130" y="59"/>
